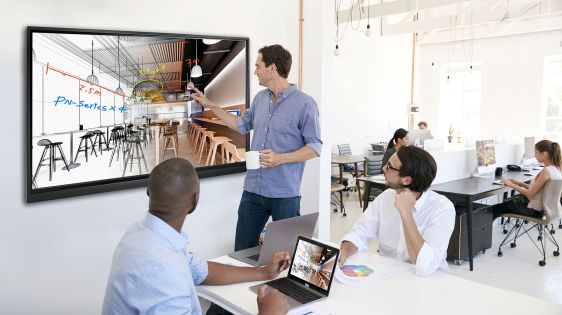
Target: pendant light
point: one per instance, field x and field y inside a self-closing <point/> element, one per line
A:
<point x="92" y="77"/>
<point x="119" y="90"/>
<point x="368" y="30"/>
<point x="196" y="72"/>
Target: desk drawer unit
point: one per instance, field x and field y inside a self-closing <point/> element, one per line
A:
<point x="481" y="233"/>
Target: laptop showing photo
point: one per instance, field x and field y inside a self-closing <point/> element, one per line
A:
<point x="280" y="235"/>
<point x="310" y="275"/>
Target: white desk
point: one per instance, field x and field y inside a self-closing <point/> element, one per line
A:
<point x="441" y="293"/>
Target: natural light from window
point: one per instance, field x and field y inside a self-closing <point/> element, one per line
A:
<point x="551" y="109"/>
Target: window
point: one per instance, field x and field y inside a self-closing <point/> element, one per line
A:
<point x="551" y="117"/>
<point x="459" y="104"/>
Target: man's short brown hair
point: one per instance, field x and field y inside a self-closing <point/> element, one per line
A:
<point x="276" y="54"/>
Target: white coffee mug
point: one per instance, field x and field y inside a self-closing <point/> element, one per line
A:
<point x="252" y="160"/>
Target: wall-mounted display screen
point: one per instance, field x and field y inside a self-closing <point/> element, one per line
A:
<point x="105" y="107"/>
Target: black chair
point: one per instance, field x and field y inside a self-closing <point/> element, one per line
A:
<point x="374" y="165"/>
<point x="378" y="149"/>
<point x="133" y="145"/>
<point x="99" y="140"/>
<point x="83" y="146"/>
<point x="51" y="147"/>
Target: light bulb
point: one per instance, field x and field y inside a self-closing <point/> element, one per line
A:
<point x="337" y="51"/>
<point x="368" y="30"/>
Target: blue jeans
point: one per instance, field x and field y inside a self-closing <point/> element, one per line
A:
<point x="253" y="213"/>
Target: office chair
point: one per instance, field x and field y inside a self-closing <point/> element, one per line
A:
<point x="378" y="148"/>
<point x="334" y="200"/>
<point x="553" y="210"/>
<point x="374" y="165"/>
<point x="345" y="149"/>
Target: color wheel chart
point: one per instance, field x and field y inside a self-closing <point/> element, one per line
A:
<point x="356" y="271"/>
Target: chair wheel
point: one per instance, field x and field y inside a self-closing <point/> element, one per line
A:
<point x="513" y="245"/>
<point x="345" y="214"/>
<point x="500" y="253"/>
<point x="335" y="210"/>
<point x="542" y="263"/>
<point x="504" y="231"/>
<point x="552" y="231"/>
<point x="556" y="253"/>
<point x="483" y="251"/>
<point x="560" y="226"/>
<point x="517" y="225"/>
<point x="539" y="238"/>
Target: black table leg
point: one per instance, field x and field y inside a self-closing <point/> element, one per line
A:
<point x="366" y="195"/>
<point x="469" y="227"/>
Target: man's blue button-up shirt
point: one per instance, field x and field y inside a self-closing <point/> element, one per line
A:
<point x="283" y="127"/>
<point x="153" y="273"/>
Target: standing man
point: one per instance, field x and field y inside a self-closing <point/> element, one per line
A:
<point x="422" y="125"/>
<point x="286" y="133"/>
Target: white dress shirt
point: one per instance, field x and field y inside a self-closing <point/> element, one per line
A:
<point x="434" y="215"/>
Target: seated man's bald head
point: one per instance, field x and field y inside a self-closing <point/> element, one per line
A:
<point x="173" y="189"/>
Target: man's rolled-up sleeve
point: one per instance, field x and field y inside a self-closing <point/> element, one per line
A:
<point x="436" y="240"/>
<point x="311" y="127"/>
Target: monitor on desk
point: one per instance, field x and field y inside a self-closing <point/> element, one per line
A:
<point x="485" y="156"/>
<point x="417" y="136"/>
<point x="529" y="154"/>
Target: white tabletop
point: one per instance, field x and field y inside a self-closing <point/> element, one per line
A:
<point x="441" y="293"/>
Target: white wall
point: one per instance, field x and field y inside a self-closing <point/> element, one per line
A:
<point x="371" y="88"/>
<point x="55" y="256"/>
<point x="512" y="75"/>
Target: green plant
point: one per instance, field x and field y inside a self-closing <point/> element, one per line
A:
<point x="451" y="130"/>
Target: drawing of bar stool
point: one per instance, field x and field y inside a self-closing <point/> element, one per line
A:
<point x="51" y="147"/>
<point x="83" y="146"/>
<point x="215" y="142"/>
<point x="99" y="139"/>
<point x="170" y="137"/>
<point x="134" y="145"/>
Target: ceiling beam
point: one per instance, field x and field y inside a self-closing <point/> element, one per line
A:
<point x="398" y="7"/>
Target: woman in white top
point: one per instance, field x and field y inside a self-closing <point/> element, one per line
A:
<point x="530" y="200"/>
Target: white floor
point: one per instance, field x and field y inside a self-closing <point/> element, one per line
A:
<point x="518" y="269"/>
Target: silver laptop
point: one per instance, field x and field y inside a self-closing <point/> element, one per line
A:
<point x="310" y="275"/>
<point x="280" y="235"/>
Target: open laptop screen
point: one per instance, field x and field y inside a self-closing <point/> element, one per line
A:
<point x="314" y="264"/>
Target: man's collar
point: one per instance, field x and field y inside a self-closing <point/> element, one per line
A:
<point x="421" y="201"/>
<point x="286" y="92"/>
<point x="178" y="241"/>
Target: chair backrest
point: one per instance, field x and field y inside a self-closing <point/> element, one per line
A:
<point x="344" y="149"/>
<point x="552" y="192"/>
<point x="378" y="149"/>
<point x="374" y="164"/>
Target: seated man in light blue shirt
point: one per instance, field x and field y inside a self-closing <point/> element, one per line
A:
<point x="153" y="272"/>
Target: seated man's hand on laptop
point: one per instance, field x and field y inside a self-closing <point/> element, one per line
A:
<point x="271" y="301"/>
<point x="347" y="249"/>
<point x="279" y="262"/>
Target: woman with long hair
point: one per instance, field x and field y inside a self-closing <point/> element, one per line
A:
<point x="529" y="202"/>
<point x="399" y="139"/>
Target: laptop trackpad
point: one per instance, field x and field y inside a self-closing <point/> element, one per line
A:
<point x="254" y="257"/>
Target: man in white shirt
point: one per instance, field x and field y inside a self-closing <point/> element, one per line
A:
<point x="413" y="224"/>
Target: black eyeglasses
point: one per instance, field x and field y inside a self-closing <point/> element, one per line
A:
<point x="388" y="166"/>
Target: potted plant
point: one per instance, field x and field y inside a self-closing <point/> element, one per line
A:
<point x="451" y="131"/>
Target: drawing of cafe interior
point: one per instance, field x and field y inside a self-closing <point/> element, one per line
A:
<point x="113" y="106"/>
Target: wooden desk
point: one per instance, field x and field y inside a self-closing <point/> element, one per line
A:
<point x="440" y="294"/>
<point x="341" y="160"/>
<point x="212" y="121"/>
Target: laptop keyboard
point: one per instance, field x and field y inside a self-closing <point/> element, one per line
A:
<point x="254" y="257"/>
<point x="294" y="290"/>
